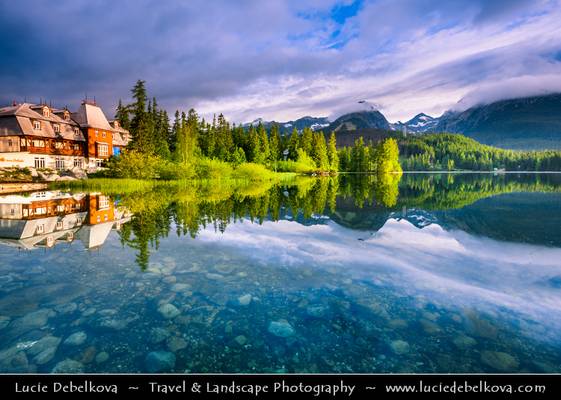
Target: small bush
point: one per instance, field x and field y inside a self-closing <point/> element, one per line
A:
<point x="252" y="172"/>
<point x="133" y="164"/>
<point x="213" y="169"/>
<point x="168" y="170"/>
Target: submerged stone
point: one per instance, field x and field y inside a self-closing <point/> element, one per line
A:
<point x="244" y="300"/>
<point x="35" y="319"/>
<point x="160" y="361"/>
<point x="281" y="328"/>
<point x="66" y="308"/>
<point x="176" y="343"/>
<point x="45" y="343"/>
<point x="68" y="366"/>
<point x="169" y="311"/>
<point x="76" y="339"/>
<point x="241" y="340"/>
<point x="102" y="357"/>
<point x="158" y="335"/>
<point x="500" y="361"/>
<point x="463" y="342"/>
<point x="400" y="347"/>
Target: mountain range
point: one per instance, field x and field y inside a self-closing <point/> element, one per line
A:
<point x="522" y="123"/>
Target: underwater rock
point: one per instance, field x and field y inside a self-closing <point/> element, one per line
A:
<point x="400" y="347"/>
<point x="480" y="327"/>
<point x="45" y="343"/>
<point x="88" y="355"/>
<point x="113" y="323"/>
<point x="101" y="357"/>
<point x="158" y="335"/>
<point x="169" y="311"/>
<point x="180" y="287"/>
<point x="463" y="342"/>
<point x="244" y="300"/>
<point x="499" y="360"/>
<point x="35" y="319"/>
<point x="316" y="311"/>
<point x="281" y="328"/>
<point x="66" y="308"/>
<point x="170" y="279"/>
<point x="68" y="366"/>
<point x="159" y="361"/>
<point x="429" y="326"/>
<point x="214" y="277"/>
<point x="398" y="324"/>
<point x="176" y="343"/>
<point x="89" y="311"/>
<point x="241" y="340"/>
<point x="76" y="339"/>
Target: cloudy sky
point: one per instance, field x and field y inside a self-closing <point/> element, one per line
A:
<point x="281" y="59"/>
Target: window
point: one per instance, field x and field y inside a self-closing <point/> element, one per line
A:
<point x="59" y="145"/>
<point x="59" y="163"/>
<point x="103" y="134"/>
<point x="40" y="229"/>
<point x="60" y="208"/>
<point x="10" y="143"/>
<point x="39" y="162"/>
<point x="103" y="203"/>
<point x="38" y="143"/>
<point x="46" y="112"/>
<point x="102" y="149"/>
<point x="96" y="133"/>
<point x="66" y="116"/>
<point x="56" y="128"/>
<point x="76" y="146"/>
<point x="23" y="142"/>
<point x="36" y="125"/>
<point x="76" y="131"/>
<point x="99" y="163"/>
<point x="78" y="162"/>
<point x="59" y="225"/>
<point x="40" y="210"/>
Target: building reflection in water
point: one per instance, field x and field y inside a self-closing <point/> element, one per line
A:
<point x="43" y="219"/>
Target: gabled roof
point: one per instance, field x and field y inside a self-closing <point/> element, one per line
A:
<point x="91" y="116"/>
<point x="17" y="120"/>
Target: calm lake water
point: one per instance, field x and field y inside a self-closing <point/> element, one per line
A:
<point x="427" y="273"/>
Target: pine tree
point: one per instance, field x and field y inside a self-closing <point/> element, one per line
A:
<point x="264" y="152"/>
<point x="274" y="144"/>
<point x="306" y="140"/>
<point x="140" y="125"/>
<point x="332" y="153"/>
<point x="122" y="115"/>
<point x="318" y="151"/>
<point x="293" y="144"/>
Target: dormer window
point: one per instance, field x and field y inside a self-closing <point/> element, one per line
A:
<point x="66" y="116"/>
<point x="56" y="128"/>
<point x="36" y="125"/>
<point x="46" y="112"/>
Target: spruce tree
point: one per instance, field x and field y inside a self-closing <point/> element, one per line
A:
<point x="332" y="153"/>
<point x="274" y="144"/>
<point x="140" y="125"/>
<point x="122" y="115"/>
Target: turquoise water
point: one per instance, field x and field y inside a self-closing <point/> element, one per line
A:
<point x="436" y="273"/>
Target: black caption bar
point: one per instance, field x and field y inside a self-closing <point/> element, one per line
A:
<point x="281" y="386"/>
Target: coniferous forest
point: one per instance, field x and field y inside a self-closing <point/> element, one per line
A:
<point x="192" y="147"/>
<point x="188" y="146"/>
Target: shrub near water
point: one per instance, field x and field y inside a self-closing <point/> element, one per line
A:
<point x="213" y="169"/>
<point x="252" y="172"/>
